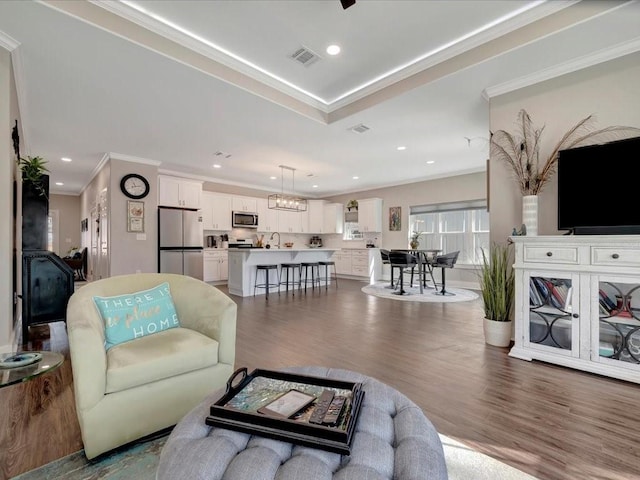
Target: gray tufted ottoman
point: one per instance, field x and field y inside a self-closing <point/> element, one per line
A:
<point x="393" y="440"/>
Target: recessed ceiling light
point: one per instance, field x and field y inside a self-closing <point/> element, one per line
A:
<point x="65" y="159"/>
<point x="272" y="178"/>
<point x="333" y="49"/>
<point x="59" y="184"/>
<point x="356" y="177"/>
<point x="215" y="165"/>
<point x="402" y="147"/>
<point x="314" y="186"/>
<point x="429" y="162"/>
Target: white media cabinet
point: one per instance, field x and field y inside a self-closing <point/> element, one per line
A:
<point x="578" y="302"/>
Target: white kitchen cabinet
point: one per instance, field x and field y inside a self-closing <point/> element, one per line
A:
<point x="370" y="215"/>
<point x="293" y="221"/>
<point x="343" y="262"/>
<point x="267" y="217"/>
<point x="207" y="211"/>
<point x="179" y="192"/>
<point x="216" y="211"/>
<point x="577" y="303"/>
<point x="333" y="221"/>
<point x="286" y="221"/>
<point x="315" y="215"/>
<point x="361" y="263"/>
<point x="244" y="204"/>
<point x="216" y="266"/>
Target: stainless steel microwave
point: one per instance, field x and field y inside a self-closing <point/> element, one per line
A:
<point x="244" y="220"/>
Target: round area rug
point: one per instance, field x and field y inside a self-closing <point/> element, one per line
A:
<point x="382" y="290"/>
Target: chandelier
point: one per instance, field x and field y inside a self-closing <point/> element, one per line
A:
<point x="288" y="202"/>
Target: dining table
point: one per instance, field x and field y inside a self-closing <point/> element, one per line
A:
<point x="425" y="259"/>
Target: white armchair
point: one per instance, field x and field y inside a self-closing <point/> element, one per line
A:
<point x="145" y="385"/>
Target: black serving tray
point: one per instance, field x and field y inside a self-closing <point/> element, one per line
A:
<point x="237" y="409"/>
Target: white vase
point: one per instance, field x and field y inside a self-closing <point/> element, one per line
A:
<point x="530" y="214"/>
<point x="497" y="334"/>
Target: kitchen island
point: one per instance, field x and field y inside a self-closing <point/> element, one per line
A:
<point x="243" y="261"/>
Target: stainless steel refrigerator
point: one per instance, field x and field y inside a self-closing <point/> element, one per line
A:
<point x="180" y="242"/>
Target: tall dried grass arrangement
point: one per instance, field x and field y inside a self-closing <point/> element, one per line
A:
<point x="521" y="150"/>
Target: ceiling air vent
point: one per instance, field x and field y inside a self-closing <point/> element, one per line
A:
<point x="360" y="128"/>
<point x="305" y="56"/>
<point x="221" y="154"/>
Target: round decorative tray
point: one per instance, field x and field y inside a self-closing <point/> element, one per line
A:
<point x="20" y="359"/>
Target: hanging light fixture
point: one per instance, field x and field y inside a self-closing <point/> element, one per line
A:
<point x="288" y="202"/>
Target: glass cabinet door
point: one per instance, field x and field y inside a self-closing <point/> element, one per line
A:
<point x="552" y="322"/>
<point x="617" y="337"/>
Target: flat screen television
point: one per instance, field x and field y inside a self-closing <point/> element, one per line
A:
<point x="599" y="188"/>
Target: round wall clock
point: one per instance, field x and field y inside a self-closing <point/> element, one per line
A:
<point x="134" y="186"/>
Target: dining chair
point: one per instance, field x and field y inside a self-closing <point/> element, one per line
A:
<point x="425" y="264"/>
<point x="404" y="261"/>
<point x="78" y="264"/>
<point x="384" y="254"/>
<point x="448" y="260"/>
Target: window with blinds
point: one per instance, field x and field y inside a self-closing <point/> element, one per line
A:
<point x="462" y="226"/>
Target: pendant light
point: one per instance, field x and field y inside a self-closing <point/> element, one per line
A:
<point x="287" y="202"/>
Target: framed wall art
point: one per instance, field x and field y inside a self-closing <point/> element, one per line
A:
<point x="395" y="216"/>
<point x="135" y="216"/>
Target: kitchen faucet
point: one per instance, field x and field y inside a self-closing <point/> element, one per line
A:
<point x="271" y="238"/>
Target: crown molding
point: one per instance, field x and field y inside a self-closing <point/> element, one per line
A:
<point x="571" y="66"/>
<point x="131" y="158"/>
<point x="520" y="19"/>
<point x="205" y="178"/>
<point x="103" y="161"/>
<point x="7" y="42"/>
<point x="437" y="176"/>
<point x="201" y="46"/>
<point x="21" y="94"/>
<point x="130" y="29"/>
<point x="534" y="11"/>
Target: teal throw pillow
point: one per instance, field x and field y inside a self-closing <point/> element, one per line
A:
<point x="134" y="315"/>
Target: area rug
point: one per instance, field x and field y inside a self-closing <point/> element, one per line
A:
<point x="381" y="289"/>
<point x="141" y="461"/>
<point x="464" y="463"/>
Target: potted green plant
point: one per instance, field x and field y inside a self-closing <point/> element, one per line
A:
<point x="33" y="172"/>
<point x="353" y="204"/>
<point x="497" y="285"/>
<point x="415" y="240"/>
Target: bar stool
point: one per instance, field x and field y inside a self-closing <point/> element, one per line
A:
<point x="327" y="277"/>
<point x="315" y="274"/>
<point x="267" y="284"/>
<point x="285" y="268"/>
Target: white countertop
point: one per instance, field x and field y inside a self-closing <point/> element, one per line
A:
<point x="283" y="249"/>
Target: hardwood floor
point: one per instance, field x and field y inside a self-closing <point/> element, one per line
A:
<point x="552" y="422"/>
